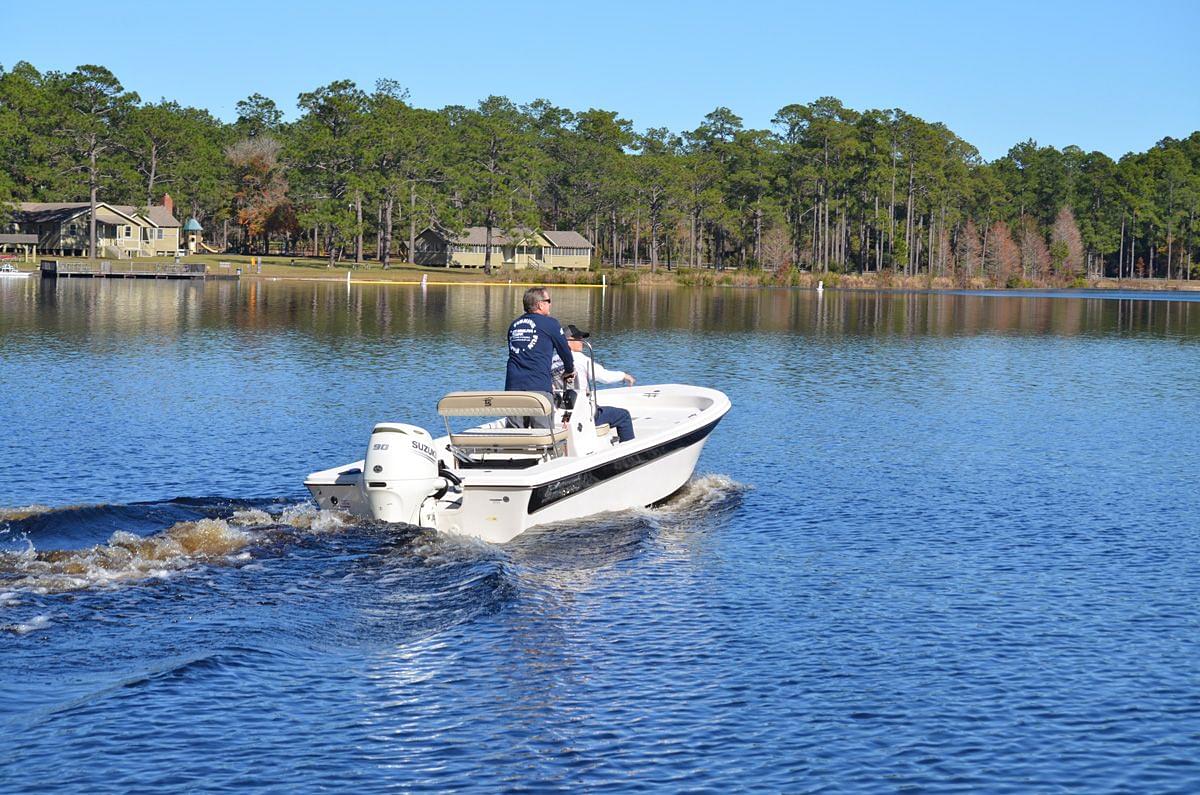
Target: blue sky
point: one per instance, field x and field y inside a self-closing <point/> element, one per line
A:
<point x="1116" y="77"/>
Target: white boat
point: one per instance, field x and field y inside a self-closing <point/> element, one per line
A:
<point x="7" y="270"/>
<point x="494" y="482"/>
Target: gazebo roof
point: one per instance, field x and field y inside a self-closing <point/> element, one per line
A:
<point x="18" y="240"/>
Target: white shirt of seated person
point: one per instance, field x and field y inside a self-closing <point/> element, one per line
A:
<point x="583" y="370"/>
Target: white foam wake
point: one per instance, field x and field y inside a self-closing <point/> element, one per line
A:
<point x="124" y="558"/>
<point x="700" y="493"/>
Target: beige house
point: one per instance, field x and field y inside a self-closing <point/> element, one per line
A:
<point x="122" y="231"/>
<point x="549" y="248"/>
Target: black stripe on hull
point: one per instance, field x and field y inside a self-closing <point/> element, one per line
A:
<point x="550" y="493"/>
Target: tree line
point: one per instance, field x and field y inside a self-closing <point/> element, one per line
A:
<point x="359" y="173"/>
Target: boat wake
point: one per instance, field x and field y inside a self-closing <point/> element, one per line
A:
<point x="58" y="550"/>
<point x="697" y="508"/>
<point x="699" y="495"/>
<point x="32" y="561"/>
<point x="17" y="514"/>
<point x="124" y="557"/>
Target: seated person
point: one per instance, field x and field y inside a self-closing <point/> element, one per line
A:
<point x="617" y="417"/>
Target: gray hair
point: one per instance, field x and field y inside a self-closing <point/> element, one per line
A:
<point x="533" y="297"/>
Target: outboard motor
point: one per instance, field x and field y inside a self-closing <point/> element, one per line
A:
<point x="400" y="473"/>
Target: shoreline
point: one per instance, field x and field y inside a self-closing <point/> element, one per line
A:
<point x="750" y="280"/>
<point x="1090" y="288"/>
<point x="296" y="269"/>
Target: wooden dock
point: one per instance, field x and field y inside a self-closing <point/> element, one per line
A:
<point x="104" y="269"/>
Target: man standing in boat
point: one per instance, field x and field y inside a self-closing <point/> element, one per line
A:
<point x="619" y="418"/>
<point x="533" y="339"/>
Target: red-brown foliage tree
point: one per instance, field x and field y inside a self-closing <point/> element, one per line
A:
<point x="261" y="202"/>
<point x="1002" y="257"/>
<point x="1035" y="256"/>
<point x="1066" y="244"/>
<point x="969" y="252"/>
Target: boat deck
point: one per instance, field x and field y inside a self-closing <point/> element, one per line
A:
<point x="657" y="412"/>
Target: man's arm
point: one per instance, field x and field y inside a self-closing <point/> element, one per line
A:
<point x="606" y="376"/>
<point x="564" y="350"/>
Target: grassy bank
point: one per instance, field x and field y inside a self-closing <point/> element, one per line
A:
<point x="318" y="269"/>
<point x="887" y="280"/>
<point x="309" y="268"/>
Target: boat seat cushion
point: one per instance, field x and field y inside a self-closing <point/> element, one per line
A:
<point x="603" y="430"/>
<point x="509" y="438"/>
<point x="495" y="404"/>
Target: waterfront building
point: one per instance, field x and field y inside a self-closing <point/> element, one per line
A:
<point x="524" y="248"/>
<point x="24" y="245"/>
<point x="122" y="231"/>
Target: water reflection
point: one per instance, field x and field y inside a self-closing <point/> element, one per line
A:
<point x="328" y="311"/>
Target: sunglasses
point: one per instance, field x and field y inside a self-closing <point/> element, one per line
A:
<point x="547" y="301"/>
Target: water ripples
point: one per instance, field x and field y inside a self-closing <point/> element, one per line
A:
<point x="953" y="547"/>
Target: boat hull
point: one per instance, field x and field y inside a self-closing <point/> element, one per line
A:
<point x="340" y="489"/>
<point x="500" y="513"/>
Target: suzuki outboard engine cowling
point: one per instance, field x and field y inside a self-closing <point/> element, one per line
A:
<point x="400" y="473"/>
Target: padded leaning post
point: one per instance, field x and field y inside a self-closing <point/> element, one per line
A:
<point x="495" y="404"/>
<point x="509" y="439"/>
<point x="544" y="441"/>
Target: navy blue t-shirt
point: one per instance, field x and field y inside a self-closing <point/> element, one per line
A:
<point x="532" y="341"/>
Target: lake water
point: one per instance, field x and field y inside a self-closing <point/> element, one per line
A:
<point x="941" y="542"/>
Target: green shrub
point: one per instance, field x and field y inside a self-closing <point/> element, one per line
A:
<point x="689" y="277"/>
